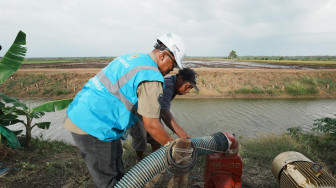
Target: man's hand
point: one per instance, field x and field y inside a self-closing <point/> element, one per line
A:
<point x="169" y="120"/>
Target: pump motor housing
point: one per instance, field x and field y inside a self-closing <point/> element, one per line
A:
<point x="293" y="169"/>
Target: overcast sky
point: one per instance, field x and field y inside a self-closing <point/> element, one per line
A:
<point x="83" y="28"/>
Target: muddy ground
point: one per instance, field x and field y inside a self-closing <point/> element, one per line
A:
<point x="192" y="63"/>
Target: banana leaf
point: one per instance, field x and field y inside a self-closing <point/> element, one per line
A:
<point x="53" y="106"/>
<point x="13" y="58"/>
<point x="8" y="119"/>
<point x="10" y="136"/>
<point x="43" y="125"/>
<point x="35" y="114"/>
<point x="10" y="122"/>
<point x="17" y="132"/>
<point x="13" y="101"/>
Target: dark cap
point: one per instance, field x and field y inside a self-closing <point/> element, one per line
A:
<point x="190" y="76"/>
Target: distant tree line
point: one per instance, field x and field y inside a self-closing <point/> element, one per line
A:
<point x="233" y="55"/>
<point x="301" y="58"/>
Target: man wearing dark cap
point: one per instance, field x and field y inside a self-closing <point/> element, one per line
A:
<point x="179" y="84"/>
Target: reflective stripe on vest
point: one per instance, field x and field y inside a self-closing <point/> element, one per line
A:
<point x="114" y="89"/>
<point x="106" y="106"/>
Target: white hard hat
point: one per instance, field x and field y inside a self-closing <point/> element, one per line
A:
<point x="176" y="45"/>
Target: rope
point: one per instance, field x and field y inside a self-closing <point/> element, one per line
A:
<point x="229" y="152"/>
<point x="180" y="158"/>
<point x="173" y="166"/>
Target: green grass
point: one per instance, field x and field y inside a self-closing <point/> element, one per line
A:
<point x="309" y="80"/>
<point x="47" y="91"/>
<point x="271" y="91"/>
<point x="297" y="62"/>
<point x="31" y="79"/>
<point x="11" y="83"/>
<point x="255" y="154"/>
<point x="296" y="88"/>
<point x="327" y="81"/>
<point x="36" y="84"/>
<point x="301" y="86"/>
<point x="48" y="147"/>
<point x="308" y="85"/>
<point x="55" y="164"/>
<point x="59" y="91"/>
<point x="253" y="90"/>
<point x="32" y="92"/>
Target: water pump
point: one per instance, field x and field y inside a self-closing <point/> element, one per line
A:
<point x="224" y="169"/>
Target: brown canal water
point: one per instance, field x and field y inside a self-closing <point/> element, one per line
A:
<point x="246" y="118"/>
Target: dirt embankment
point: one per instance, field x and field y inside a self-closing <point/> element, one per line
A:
<point x="212" y="82"/>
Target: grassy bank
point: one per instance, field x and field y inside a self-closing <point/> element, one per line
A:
<point x="293" y="62"/>
<point x="212" y="82"/>
<point x="56" y="164"/>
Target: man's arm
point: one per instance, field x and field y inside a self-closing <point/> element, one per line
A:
<point x="156" y="130"/>
<point x="165" y="103"/>
<point x="149" y="109"/>
<point x="168" y="118"/>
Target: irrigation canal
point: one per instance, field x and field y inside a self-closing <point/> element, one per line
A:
<point x="246" y="118"/>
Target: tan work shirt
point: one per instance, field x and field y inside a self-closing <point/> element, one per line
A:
<point x="148" y="104"/>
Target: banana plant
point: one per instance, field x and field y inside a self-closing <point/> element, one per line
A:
<point x="19" y="108"/>
<point x="9" y="64"/>
<point x="9" y="114"/>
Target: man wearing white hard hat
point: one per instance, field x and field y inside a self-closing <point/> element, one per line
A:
<point x="109" y="104"/>
<point x="175" y="45"/>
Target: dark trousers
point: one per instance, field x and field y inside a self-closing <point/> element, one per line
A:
<point x="102" y="158"/>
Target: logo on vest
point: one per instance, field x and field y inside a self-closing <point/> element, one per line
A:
<point x="96" y="82"/>
<point x="135" y="55"/>
<point x="123" y="62"/>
